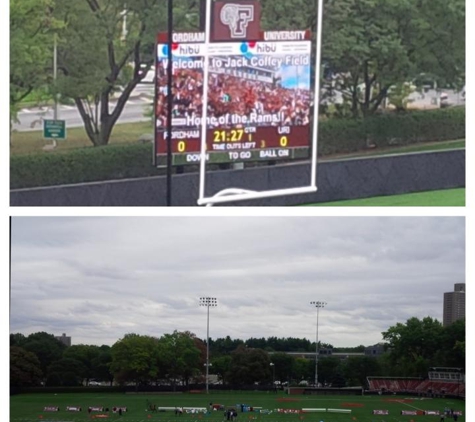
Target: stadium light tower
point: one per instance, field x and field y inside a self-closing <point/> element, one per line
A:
<point x="208" y="302"/>
<point x="318" y="305"/>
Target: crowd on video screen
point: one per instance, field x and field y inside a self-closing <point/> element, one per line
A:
<point x="228" y="94"/>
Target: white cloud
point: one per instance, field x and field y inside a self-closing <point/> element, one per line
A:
<point x="97" y="279"/>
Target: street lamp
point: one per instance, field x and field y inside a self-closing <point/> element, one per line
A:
<point x="208" y="302"/>
<point x="318" y="305"/>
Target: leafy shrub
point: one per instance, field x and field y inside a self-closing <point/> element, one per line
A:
<point x="135" y="160"/>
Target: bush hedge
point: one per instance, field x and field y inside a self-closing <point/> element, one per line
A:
<point x="344" y="136"/>
<point x="82" y="165"/>
<point x="135" y="160"/>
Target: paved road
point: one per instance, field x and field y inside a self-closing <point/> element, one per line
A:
<point x="134" y="110"/>
<point x="430" y="98"/>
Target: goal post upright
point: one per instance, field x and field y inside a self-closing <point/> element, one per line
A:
<point x="204" y="113"/>
<point x="316" y="106"/>
<point x="233" y="194"/>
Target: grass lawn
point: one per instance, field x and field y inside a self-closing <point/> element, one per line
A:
<point x="29" y="407"/>
<point x="438" y="198"/>
<point x="33" y="142"/>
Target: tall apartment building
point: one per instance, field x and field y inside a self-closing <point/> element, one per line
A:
<point x="66" y="340"/>
<point x="454" y="304"/>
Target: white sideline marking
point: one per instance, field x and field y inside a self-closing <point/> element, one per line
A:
<point x="407" y="404"/>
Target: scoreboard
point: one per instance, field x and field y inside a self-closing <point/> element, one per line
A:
<point x="259" y="101"/>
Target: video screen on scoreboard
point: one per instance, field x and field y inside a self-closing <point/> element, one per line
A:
<point x="258" y="104"/>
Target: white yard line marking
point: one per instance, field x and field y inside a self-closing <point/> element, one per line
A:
<point x="407" y="404"/>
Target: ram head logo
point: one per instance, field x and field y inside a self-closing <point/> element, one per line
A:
<point x="237" y="17"/>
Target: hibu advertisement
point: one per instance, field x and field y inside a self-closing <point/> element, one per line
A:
<point x="258" y="104"/>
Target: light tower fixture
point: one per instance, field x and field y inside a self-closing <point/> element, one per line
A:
<point x="318" y="305"/>
<point x="208" y="302"/>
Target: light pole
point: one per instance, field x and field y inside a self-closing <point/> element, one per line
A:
<point x="55" y="77"/>
<point x="318" y="305"/>
<point x="208" y="302"/>
<point x="123" y="36"/>
<point x="273" y="374"/>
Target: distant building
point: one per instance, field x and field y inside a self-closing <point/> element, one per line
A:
<point x="374" y="351"/>
<point x="454" y="304"/>
<point x="324" y="353"/>
<point x="64" y="339"/>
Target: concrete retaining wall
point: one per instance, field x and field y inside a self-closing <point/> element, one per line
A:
<point x="337" y="180"/>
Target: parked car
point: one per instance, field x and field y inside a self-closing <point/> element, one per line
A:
<point x="444" y="100"/>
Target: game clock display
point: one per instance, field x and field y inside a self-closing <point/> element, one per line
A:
<point x="238" y="145"/>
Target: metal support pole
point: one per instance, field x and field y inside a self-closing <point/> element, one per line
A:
<point x="169" y="103"/>
<point x="55" y="77"/>
<point x="207" y="301"/>
<point x="207" y="354"/>
<point x="318" y="305"/>
<point x="316" y="354"/>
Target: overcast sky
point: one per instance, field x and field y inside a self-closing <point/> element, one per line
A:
<point x="97" y="279"/>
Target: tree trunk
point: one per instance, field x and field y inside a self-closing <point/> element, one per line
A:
<point x="367" y="91"/>
<point x="354" y="98"/>
<point x="88" y="122"/>
<point x="99" y="133"/>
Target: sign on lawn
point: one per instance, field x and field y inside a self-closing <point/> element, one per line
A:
<point x="54" y="129"/>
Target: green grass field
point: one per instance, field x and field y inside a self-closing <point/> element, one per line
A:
<point x="437" y="198"/>
<point x="29" y="407"/>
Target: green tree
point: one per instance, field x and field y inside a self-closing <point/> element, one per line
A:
<point x="327" y="367"/>
<point x="338" y="379"/>
<point x="357" y="349"/>
<point x="303" y="369"/>
<point x="413" y="345"/>
<point x="249" y="366"/>
<point x="257" y="343"/>
<point x="283" y="366"/>
<point x="224" y="346"/>
<point x="221" y="366"/>
<point x="17" y="339"/>
<point x="101" y="364"/>
<point x="86" y="354"/>
<point x="31" y="48"/>
<point x="65" y="372"/>
<point x="357" y="368"/>
<point x="372" y="45"/>
<point x="25" y="368"/>
<point x="451" y="351"/>
<point x="180" y="357"/>
<point x="135" y="358"/>
<point x="100" y="64"/>
<point x="288" y="14"/>
<point x="46" y="347"/>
